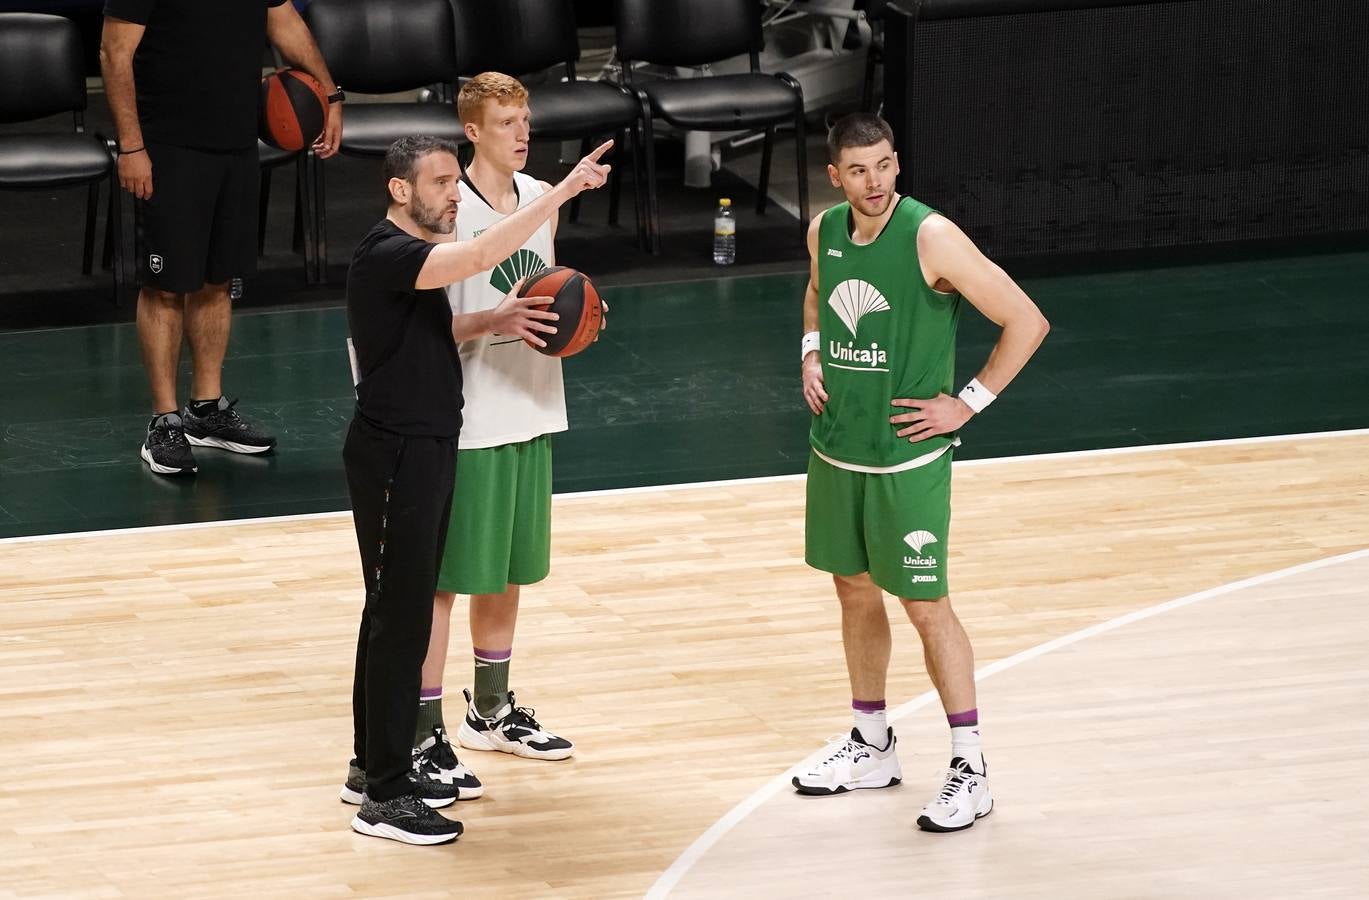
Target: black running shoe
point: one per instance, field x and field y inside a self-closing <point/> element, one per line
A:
<point x="436" y="764"/>
<point x="406" y="818"/>
<point x="434" y="793"/>
<point x="165" y="449"/>
<point x="224" y="428"/>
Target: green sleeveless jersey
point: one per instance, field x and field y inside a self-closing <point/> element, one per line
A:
<point x="885" y="334"/>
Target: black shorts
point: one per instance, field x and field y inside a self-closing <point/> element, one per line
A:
<point x="200" y="227"/>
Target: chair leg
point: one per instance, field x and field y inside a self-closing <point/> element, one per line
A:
<point x="801" y="151"/>
<point x="319" y="186"/>
<point x="649" y="146"/>
<point x="305" y="213"/>
<point x="88" y="249"/>
<point x="575" y="201"/>
<point x="615" y="178"/>
<point x="263" y="203"/>
<point x="764" y="185"/>
<point x="301" y="195"/>
<point x="638" y="195"/>
<point x="116" y="232"/>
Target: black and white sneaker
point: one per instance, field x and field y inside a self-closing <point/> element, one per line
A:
<point x="964" y="798"/>
<point x="435" y="762"/>
<point x="406" y="818"/>
<point x="434" y="793"/>
<point x="510" y="730"/>
<point x="165" y="449"/>
<point x="224" y="428"/>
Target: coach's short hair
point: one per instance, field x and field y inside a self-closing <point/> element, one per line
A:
<point x="488" y="86"/>
<point x="859" y="129"/>
<point x="402" y="157"/>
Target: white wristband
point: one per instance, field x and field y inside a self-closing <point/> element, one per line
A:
<point x="976" y="396"/>
<point x="811" y="343"/>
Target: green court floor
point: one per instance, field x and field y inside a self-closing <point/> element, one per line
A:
<point x="699" y="381"/>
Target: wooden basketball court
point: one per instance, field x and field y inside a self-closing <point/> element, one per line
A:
<point x="177" y="717"/>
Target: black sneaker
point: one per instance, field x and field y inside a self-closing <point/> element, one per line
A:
<point x="436" y="764"/>
<point x="224" y="428"/>
<point x="165" y="449"/>
<point x="406" y="818"/>
<point x="434" y="793"/>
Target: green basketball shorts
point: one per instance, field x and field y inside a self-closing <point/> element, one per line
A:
<point x="895" y="526"/>
<point x="500" y="527"/>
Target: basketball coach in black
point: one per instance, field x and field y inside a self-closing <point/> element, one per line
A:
<point x="183" y="79"/>
<point x="400" y="453"/>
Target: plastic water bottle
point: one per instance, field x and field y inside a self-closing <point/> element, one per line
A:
<point x="724" y="234"/>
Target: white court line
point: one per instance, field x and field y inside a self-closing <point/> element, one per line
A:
<point x="705" y="842"/>
<point x="695" y="485"/>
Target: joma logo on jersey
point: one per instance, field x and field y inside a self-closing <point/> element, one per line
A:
<point x="836" y="253"/>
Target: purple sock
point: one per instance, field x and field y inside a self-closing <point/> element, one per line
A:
<point x="961" y="719"/>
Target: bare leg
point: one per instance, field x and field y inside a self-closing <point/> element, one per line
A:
<point x="864" y="634"/>
<point x="435" y="663"/>
<point x="493" y="619"/>
<point x="947" y="651"/>
<point x="208" y="314"/>
<point x="161" y="316"/>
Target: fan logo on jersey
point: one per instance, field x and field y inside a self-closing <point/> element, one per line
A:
<point x="853" y="300"/>
<point x="916" y="541"/>
<point x="521" y="264"/>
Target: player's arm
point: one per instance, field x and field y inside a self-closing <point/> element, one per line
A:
<point x="287" y="33"/>
<point x="813" y="391"/>
<point x="555" y="221"/>
<point x="119" y="40"/>
<point x="948" y="256"/>
<point x="459" y="260"/>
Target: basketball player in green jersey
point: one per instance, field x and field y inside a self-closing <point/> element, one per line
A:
<point x="499" y="536"/>
<point x="887" y="275"/>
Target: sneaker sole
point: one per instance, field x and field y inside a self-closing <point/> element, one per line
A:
<point x="926" y="823"/>
<point x="353" y="798"/>
<point x="231" y="446"/>
<point x="389" y="832"/>
<point x="471" y="739"/>
<point x="814" y="791"/>
<point x="160" y="469"/>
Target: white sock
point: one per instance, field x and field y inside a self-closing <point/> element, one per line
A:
<point x="873" y="726"/>
<point x="965" y="743"/>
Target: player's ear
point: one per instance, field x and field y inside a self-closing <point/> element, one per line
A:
<point x="833" y="174"/>
<point x="399" y="190"/>
<point x="896" y="168"/>
<point x="472" y="132"/>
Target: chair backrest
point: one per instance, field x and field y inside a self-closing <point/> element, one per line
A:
<point x="41" y="68"/>
<point x="687" y="32"/>
<point x="383" y="46"/>
<point x="514" y="36"/>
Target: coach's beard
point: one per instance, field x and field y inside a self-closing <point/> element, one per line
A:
<point x="431" y="219"/>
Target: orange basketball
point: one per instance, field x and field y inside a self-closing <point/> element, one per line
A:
<point x="293" y="109"/>
<point x="572" y="297"/>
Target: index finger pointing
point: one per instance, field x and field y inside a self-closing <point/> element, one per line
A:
<point x="600" y="150"/>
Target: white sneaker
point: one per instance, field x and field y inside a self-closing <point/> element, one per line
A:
<point x="852" y="765"/>
<point x="510" y="730"/>
<point x="964" y="798"/>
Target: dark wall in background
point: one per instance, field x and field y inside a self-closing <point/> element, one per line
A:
<point x="1069" y="126"/>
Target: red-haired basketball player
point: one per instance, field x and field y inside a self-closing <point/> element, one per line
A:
<point x="499" y="537"/>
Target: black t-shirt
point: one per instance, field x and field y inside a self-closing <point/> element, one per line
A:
<point x="410" y="371"/>
<point x="198" y="69"/>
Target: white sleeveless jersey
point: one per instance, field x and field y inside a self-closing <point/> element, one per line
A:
<point x="513" y="393"/>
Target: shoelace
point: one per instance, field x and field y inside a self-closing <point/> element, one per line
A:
<point x="955" y="779"/>
<point x="442" y="754"/>
<point x="521" y="715"/>
<point x="227" y="415"/>
<point x="845" y="751"/>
